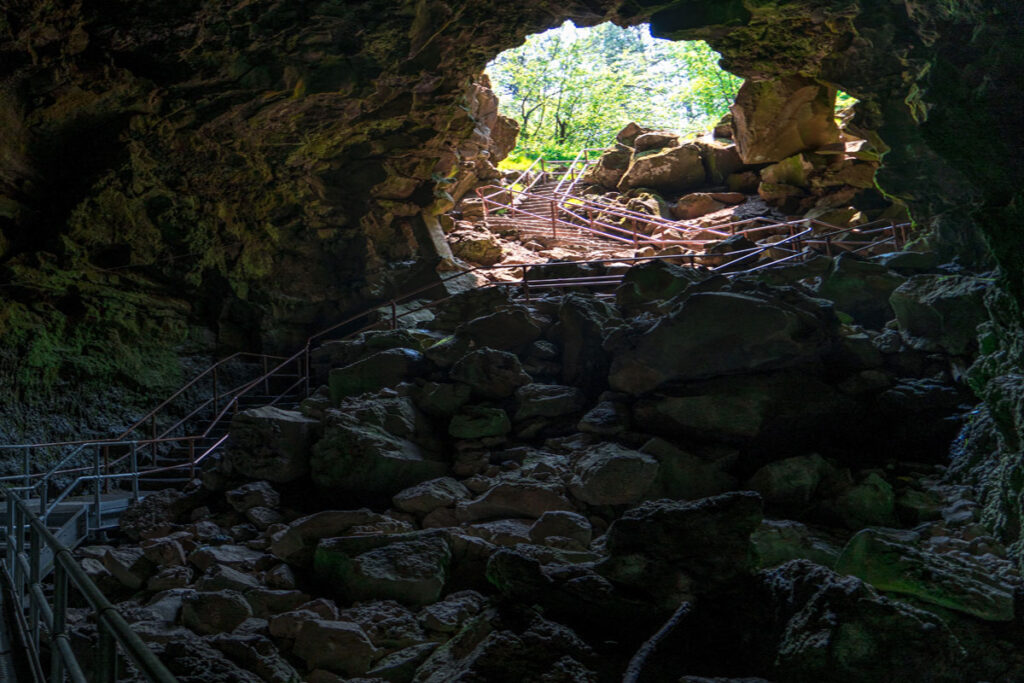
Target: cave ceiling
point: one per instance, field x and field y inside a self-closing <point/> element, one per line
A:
<point x="261" y="167"/>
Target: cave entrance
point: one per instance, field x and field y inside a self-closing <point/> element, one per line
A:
<point x="574" y="87"/>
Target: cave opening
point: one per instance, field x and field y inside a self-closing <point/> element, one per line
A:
<point x="573" y="87"/>
<point x="748" y="465"/>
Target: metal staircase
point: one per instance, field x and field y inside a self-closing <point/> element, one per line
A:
<point x="99" y="479"/>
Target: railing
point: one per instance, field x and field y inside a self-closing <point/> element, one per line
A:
<point x="108" y="467"/>
<point x="593" y="224"/>
<point x="26" y="537"/>
<point x="572" y="174"/>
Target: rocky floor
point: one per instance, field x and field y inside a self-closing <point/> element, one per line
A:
<point x="754" y="471"/>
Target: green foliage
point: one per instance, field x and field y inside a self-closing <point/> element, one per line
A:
<point x="571" y="88"/>
<point x="844" y="100"/>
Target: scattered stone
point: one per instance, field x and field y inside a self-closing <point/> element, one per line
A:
<point x="207" y="613"/>
<point x="611" y="475"/>
<point x="427" y="496"/>
<point x="778" y="541"/>
<point x="128" y="565"/>
<point x="371" y="454"/>
<point x="412" y="572"/>
<point x="513" y="499"/>
<point x="255" y="494"/>
<point x="941" y="312"/>
<point x="672" y="169"/>
<point x="717" y="333"/>
<point x="958" y="582"/>
<point x="295" y="545"/>
<point x="479" y="422"/>
<point x="271" y="443"/>
<point x="490" y="373"/>
<point x="379" y="371"/>
<point x="338" y="646"/>
<point x="221" y="577"/>
<point x="164" y="552"/>
<point x="564" y="524"/>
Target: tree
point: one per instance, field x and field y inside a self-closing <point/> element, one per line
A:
<point x="571" y="88"/>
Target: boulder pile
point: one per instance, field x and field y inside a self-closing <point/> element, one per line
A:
<point x="529" y="491"/>
<point x="781" y="142"/>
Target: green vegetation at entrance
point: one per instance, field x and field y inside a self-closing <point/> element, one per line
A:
<point x="574" y="87"/>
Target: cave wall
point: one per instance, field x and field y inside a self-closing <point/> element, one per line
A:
<point x="192" y="176"/>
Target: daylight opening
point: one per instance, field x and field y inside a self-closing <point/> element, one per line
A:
<point x="573" y="87"/>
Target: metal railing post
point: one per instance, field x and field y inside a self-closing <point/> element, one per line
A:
<point x="106" y="464"/>
<point x="554" y="217"/>
<point x="394" y="315"/>
<point x="134" y="464"/>
<point x="526" y="286"/>
<point x="309" y="370"/>
<point x="828" y="244"/>
<point x="19" y="549"/>
<point x="33" y="581"/>
<point x="60" y="606"/>
<point x="192" y="459"/>
<point x="97" y="488"/>
<point x="11" y="530"/>
<point x="26" y="462"/>
<point x="106" y="653"/>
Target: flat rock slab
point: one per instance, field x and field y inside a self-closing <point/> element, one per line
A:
<point x="960" y="582"/>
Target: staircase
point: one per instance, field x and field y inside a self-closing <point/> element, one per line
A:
<point x="540" y="215"/>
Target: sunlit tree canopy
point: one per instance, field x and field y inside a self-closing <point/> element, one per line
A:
<point x="575" y="87"/>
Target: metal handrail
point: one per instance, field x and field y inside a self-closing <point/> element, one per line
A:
<point x="26" y="535"/>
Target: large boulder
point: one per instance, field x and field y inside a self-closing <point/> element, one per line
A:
<point x="652" y="547"/>
<point x="695" y="205"/>
<point x="684" y="476"/>
<point x="338" y="646"/>
<point x="507" y="329"/>
<point x="547" y="400"/>
<point x="608" y="474"/>
<point x="479" y="422"/>
<point x="830" y="627"/>
<point x="609" y="168"/>
<point x="476" y="246"/>
<point x="629" y="133"/>
<point x="791" y="484"/>
<point x="505" y="649"/>
<point x="490" y="373"/>
<point x="959" y="582"/>
<point x="522" y="499"/>
<point x="651" y="283"/>
<point x="721" y="159"/>
<point x="425" y="497"/>
<point x="212" y="612"/>
<point x="716" y="333"/>
<point x="861" y="289"/>
<point x="775" y="119"/>
<point x="941" y="312"/>
<point x="672" y="169"/>
<point x="371" y="450"/>
<point x="583" y="319"/>
<point x="376" y="372"/>
<point x="271" y="443"/>
<point x="413" y="572"/>
<point x="296" y="543"/>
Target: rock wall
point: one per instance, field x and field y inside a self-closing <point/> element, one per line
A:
<point x="195" y="175"/>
